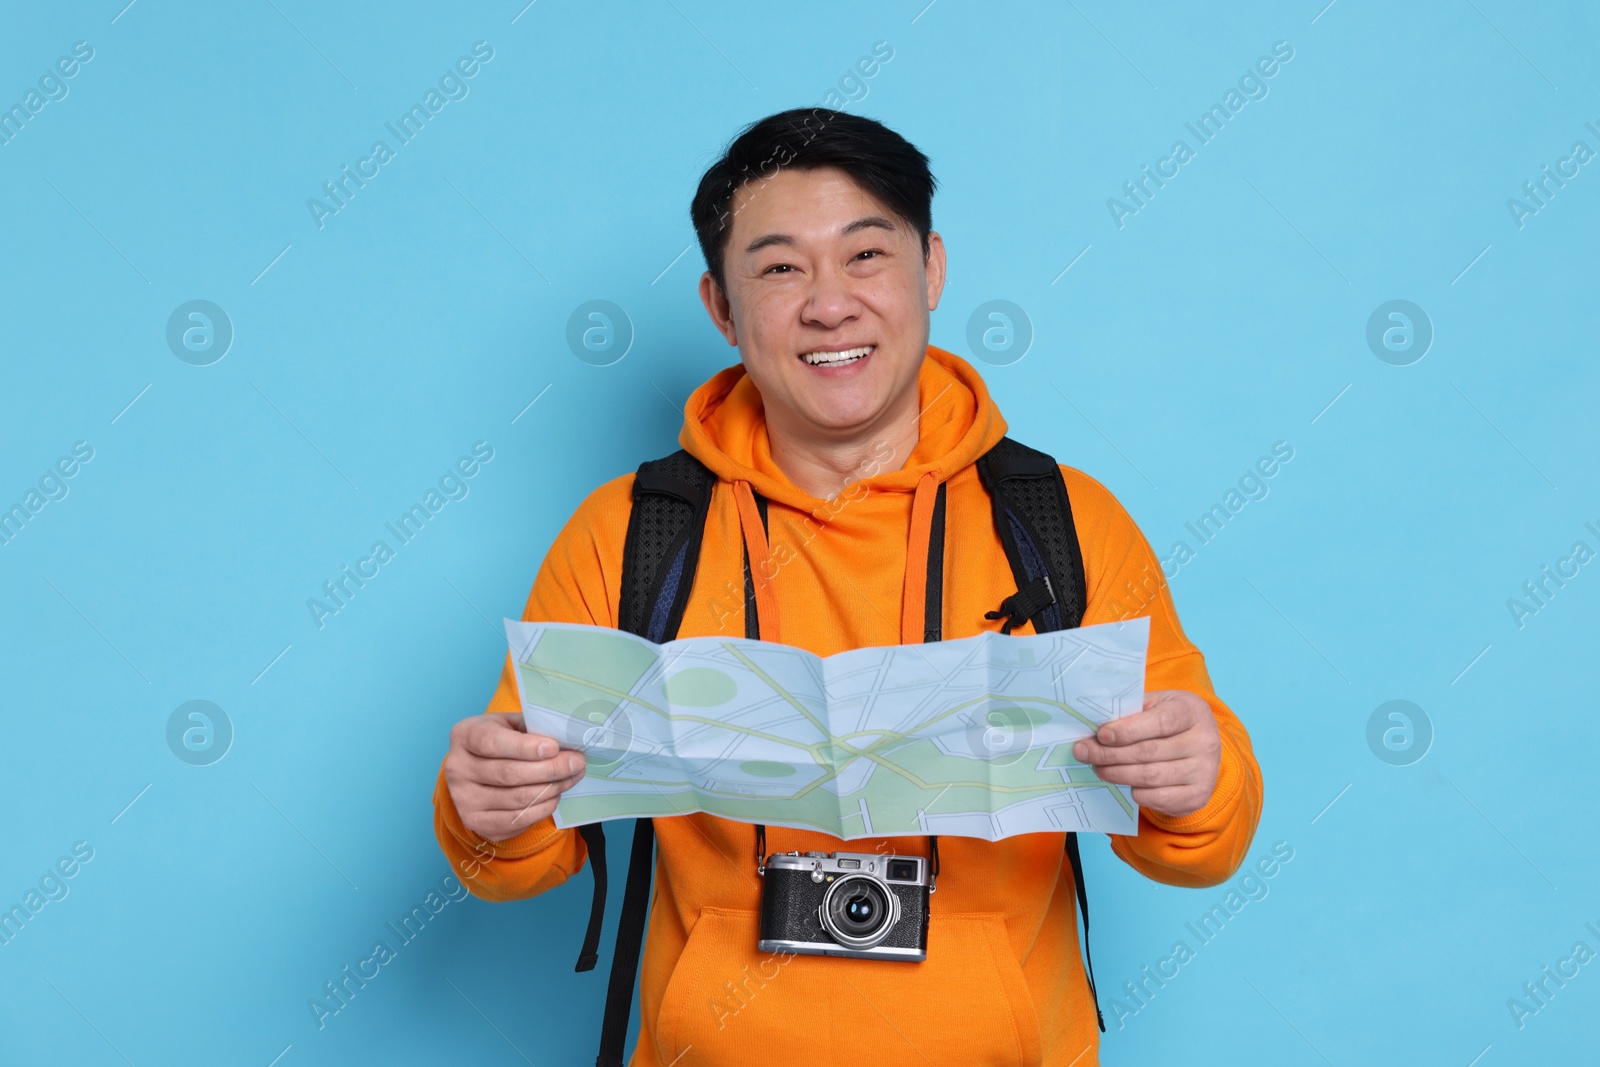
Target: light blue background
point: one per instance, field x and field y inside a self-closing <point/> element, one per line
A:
<point x="425" y="316"/>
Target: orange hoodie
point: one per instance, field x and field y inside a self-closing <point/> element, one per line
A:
<point x="1004" y="981"/>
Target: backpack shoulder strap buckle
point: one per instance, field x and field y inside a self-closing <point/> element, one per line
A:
<point x="1024" y="604"/>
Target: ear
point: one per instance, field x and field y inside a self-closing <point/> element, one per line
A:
<point x="933" y="267"/>
<point x="718" y="308"/>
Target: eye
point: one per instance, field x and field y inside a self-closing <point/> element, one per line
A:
<point x="870" y="252"/>
<point x="777" y="266"/>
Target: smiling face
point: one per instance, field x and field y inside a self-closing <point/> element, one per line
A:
<point x="828" y="300"/>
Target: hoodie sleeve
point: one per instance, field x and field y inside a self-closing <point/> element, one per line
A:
<point x="578" y="582"/>
<point x="1125" y="580"/>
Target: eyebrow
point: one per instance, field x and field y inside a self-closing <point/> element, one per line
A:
<point x="867" y="222"/>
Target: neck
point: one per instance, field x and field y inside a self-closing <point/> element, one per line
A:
<point x="824" y="466"/>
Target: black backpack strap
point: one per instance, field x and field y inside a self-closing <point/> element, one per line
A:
<point x="630" y="938"/>
<point x="671" y="497"/>
<point x="1033" y="519"/>
<point x="594" y="838"/>
<point x="1083" y="909"/>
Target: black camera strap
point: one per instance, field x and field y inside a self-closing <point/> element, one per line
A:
<point x="932" y="630"/>
<point x="671" y="498"/>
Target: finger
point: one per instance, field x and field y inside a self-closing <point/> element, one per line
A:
<point x="484" y="812"/>
<point x="475" y="799"/>
<point x="545" y="804"/>
<point x="503" y="736"/>
<point x="1161" y="719"/>
<point x="511" y="773"/>
<point x="521" y="798"/>
<point x="1155" y="750"/>
<point x="478" y="803"/>
<point x="1170" y="773"/>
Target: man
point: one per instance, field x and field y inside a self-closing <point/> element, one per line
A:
<point x="822" y="270"/>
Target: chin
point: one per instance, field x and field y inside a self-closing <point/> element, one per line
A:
<point x="847" y="417"/>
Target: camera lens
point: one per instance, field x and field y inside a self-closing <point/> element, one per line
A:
<point x="858" y="911"/>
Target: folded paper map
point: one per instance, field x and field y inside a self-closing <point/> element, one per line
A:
<point x="968" y="738"/>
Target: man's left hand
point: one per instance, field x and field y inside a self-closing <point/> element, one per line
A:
<point x="1169" y="752"/>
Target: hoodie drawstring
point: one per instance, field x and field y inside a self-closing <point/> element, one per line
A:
<point x="762" y="570"/>
<point x="914" y="597"/>
<point x="913" y="602"/>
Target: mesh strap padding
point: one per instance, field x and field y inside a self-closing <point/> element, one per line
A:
<point x="670" y="499"/>
<point x="1033" y="518"/>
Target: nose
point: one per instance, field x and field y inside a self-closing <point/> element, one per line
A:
<point x="831" y="301"/>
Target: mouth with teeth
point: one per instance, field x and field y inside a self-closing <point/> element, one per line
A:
<point x="843" y="357"/>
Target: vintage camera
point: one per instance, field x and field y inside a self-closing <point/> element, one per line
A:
<point x="861" y="904"/>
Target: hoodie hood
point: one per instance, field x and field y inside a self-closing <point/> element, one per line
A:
<point x="725" y="428"/>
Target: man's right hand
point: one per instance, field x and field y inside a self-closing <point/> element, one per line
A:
<point x="503" y="779"/>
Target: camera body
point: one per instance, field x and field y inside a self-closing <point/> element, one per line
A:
<point x="861" y="904"/>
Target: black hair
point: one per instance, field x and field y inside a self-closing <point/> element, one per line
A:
<point x="878" y="159"/>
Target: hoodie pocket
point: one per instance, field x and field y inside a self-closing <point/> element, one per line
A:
<point x="967" y="1003"/>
